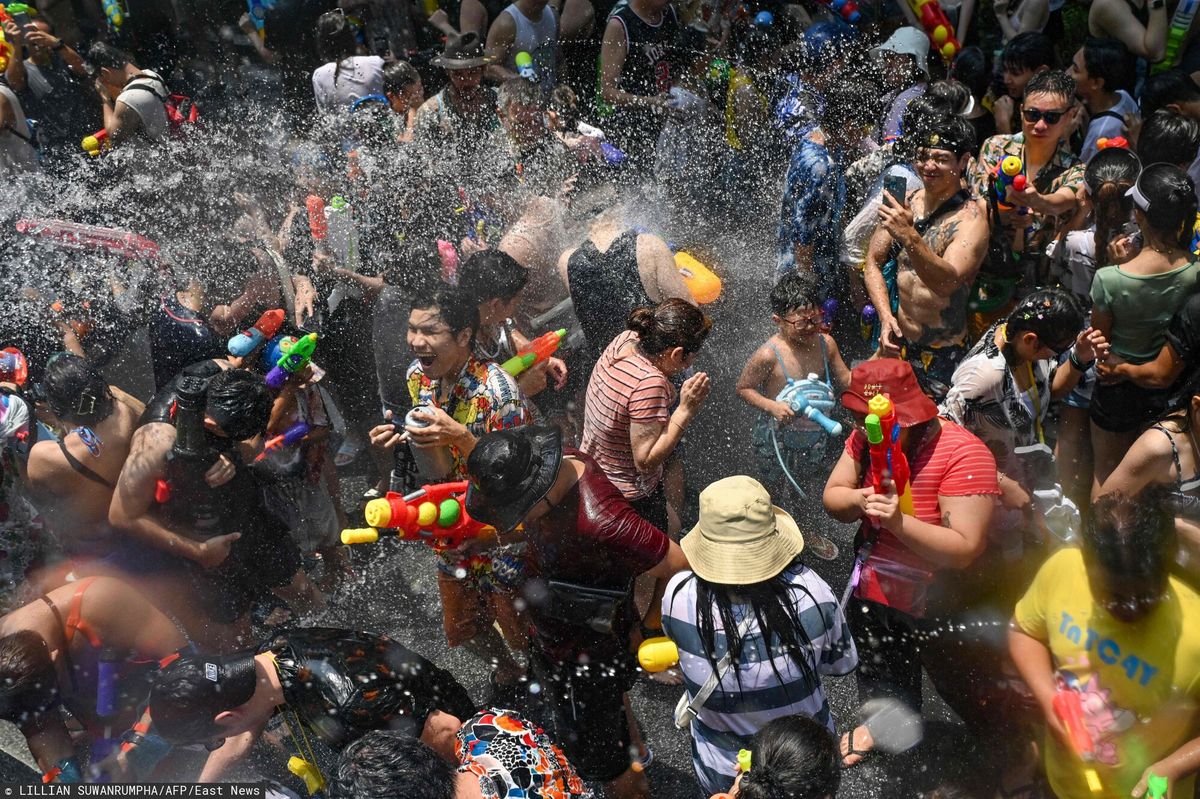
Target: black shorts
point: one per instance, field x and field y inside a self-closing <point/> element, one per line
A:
<point x="265" y="557"/>
<point x="1125" y="407"/>
<point x="653" y="508"/>
<point x="582" y="708"/>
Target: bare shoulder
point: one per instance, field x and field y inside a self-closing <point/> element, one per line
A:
<point x="148" y="450"/>
<point x="46" y="463"/>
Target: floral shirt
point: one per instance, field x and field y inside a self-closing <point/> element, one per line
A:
<point x="515" y="759"/>
<point x="1041" y="229"/>
<point x="813" y="196"/>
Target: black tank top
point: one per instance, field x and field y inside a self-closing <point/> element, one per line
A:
<point x="605" y="288"/>
<point x="647" y="68"/>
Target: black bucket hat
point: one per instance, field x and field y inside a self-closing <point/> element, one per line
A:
<point x="462" y="52"/>
<point x="510" y="472"/>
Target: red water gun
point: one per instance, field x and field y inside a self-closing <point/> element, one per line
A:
<point x="880" y="406"/>
<point x="289" y="438"/>
<point x="937" y="27"/>
<point x="1104" y="143"/>
<point x="264" y="329"/>
<point x="1068" y="706"/>
<point x="76" y="236"/>
<point x="534" y="352"/>
<point x="433" y="514"/>
<point x="318" y="225"/>
<point x="848" y="9"/>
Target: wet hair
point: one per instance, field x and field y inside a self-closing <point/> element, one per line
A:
<point x="1108" y="59"/>
<point x="1172" y="199"/>
<point x="565" y="103"/>
<point x="239" y="401"/>
<point x="335" y="40"/>
<point x="75" y="391"/>
<point x="1168" y="88"/>
<point x="1052" y="314"/>
<point x="455" y="308"/>
<point x="671" y="323"/>
<point x="103" y="55"/>
<point x="1028" y="51"/>
<point x="795" y="290"/>
<point x="956" y="95"/>
<point x="970" y="68"/>
<point x="792" y="757"/>
<point x="773" y="602"/>
<point x="491" y="275"/>
<point x="520" y="91"/>
<point x="915" y="125"/>
<point x="1169" y="136"/>
<point x="954" y="133"/>
<point x="398" y="76"/>
<point x="1109" y="174"/>
<point x="184" y="700"/>
<point x="28" y="681"/>
<point x="384" y="764"/>
<point x="1052" y="81"/>
<point x="1133" y="537"/>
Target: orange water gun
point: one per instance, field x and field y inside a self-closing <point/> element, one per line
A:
<point x="534" y="352"/>
<point x="433" y="514"/>
<point x="1068" y="707"/>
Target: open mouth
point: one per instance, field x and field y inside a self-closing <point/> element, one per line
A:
<point x="426" y="360"/>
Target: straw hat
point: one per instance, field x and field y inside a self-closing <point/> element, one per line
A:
<point x="741" y="537"/>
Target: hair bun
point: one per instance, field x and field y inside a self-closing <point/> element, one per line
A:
<point x="641" y="321"/>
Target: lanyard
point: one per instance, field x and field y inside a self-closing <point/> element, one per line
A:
<point x="1033" y="392"/>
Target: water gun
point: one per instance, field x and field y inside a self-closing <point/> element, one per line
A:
<point x="94" y="144"/>
<point x="937" y="27"/>
<point x="867" y="321"/>
<point x="847" y="9"/>
<point x="6" y="51"/>
<point x="478" y="218"/>
<point x="524" y="62"/>
<point x="811" y="399"/>
<point x="829" y="310"/>
<point x="1156" y="786"/>
<point x="433" y="515"/>
<point x="76" y="236"/>
<point x="289" y="438"/>
<point x="294" y="357"/>
<point x="1008" y="173"/>
<point x="534" y="352"/>
<point x="657" y="654"/>
<point x="265" y="328"/>
<point x="1116" y="141"/>
<point x="612" y="154"/>
<point x="13" y="367"/>
<point x="1068" y="707"/>
<point x="258" y="12"/>
<point x="1181" y="23"/>
<point x="880" y="406"/>
<point x="318" y="225"/>
<point x="448" y="256"/>
<point x="115" y="12"/>
<point x="703" y="284"/>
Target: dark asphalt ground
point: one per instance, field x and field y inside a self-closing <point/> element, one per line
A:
<point x="395" y="592"/>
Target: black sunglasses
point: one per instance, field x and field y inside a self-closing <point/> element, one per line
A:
<point x="1034" y="115"/>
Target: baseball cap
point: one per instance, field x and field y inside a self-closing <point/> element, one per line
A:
<point x="896" y="379"/>
<point x="190" y="690"/>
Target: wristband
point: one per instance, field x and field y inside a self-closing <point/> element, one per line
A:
<point x="656" y="632"/>
<point x="1079" y="365"/>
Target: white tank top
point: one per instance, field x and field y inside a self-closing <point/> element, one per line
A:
<point x="16" y="153"/>
<point x="539" y="39"/>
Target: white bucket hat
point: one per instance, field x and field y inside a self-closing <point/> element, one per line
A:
<point x="909" y="41"/>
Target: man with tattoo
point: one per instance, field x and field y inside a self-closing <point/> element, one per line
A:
<point x="924" y="256"/>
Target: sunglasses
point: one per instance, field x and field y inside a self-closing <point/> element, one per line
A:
<point x="1035" y="115"/>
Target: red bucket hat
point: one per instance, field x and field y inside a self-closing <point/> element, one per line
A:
<point x="896" y="379"/>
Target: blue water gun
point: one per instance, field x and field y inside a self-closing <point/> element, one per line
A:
<point x="115" y="11"/>
<point x="813" y="399"/>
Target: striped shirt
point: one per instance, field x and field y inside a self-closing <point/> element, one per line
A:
<point x="751" y="694"/>
<point x="623" y="391"/>
<point x="957" y="465"/>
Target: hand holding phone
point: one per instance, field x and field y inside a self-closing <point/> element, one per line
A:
<point x="896" y="186"/>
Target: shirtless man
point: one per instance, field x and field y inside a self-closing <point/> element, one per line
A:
<point x="938" y="239"/>
<point x="71" y="480"/>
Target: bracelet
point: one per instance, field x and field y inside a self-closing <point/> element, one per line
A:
<point x="1077" y="364"/>
<point x="655" y="632"/>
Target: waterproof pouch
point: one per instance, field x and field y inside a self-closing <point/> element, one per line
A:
<point x="584" y="605"/>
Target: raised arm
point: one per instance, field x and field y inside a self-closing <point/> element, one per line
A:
<point x="500" y="40"/>
<point x="967" y="236"/>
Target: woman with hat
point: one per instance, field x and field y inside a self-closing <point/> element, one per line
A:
<point x="748" y="594"/>
<point x="952" y="488"/>
<point x="459" y="113"/>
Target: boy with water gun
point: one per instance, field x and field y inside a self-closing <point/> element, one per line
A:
<point x="922" y="488"/>
<point x="787" y="440"/>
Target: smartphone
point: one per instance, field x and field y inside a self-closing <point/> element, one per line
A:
<point x="896" y="186"/>
<point x="22" y="19"/>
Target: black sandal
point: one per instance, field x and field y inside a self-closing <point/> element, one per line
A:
<point x="850" y="750"/>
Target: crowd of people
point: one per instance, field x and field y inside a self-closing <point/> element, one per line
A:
<point x="477" y="254"/>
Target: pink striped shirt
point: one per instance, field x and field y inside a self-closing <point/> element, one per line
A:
<point x="623" y="391"/>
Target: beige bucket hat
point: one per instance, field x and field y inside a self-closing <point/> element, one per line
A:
<point x="741" y="537"/>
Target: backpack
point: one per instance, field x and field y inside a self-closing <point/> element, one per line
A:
<point x="181" y="109"/>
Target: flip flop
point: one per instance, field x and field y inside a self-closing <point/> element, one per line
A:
<point x="850" y="751"/>
<point x="820" y="546"/>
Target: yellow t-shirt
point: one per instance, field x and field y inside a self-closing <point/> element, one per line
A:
<point x="1139" y="681"/>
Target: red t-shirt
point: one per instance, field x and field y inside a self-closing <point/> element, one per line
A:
<point x="957" y="465"/>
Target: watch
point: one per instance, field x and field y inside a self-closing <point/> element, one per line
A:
<point x="61" y="44"/>
<point x="1155" y="5"/>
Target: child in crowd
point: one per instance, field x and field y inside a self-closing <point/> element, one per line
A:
<point x="786" y="444"/>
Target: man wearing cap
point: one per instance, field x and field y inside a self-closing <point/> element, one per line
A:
<point x="937" y="239"/>
<point x="455" y="118"/>
<point x="915" y="562"/>
<point x="902" y="63"/>
<point x="331" y="684"/>
<point x="587" y="545"/>
<point x="1024" y="222"/>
